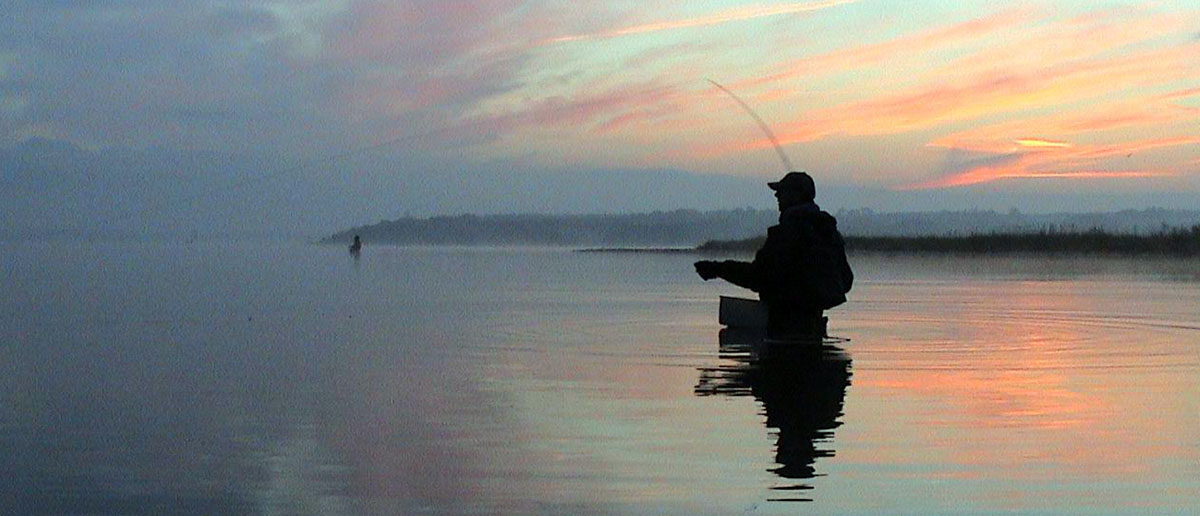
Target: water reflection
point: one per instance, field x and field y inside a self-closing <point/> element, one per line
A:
<point x="801" y="388"/>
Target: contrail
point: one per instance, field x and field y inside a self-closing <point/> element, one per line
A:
<point x="787" y="163"/>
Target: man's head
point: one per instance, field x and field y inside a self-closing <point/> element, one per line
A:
<point x="795" y="188"/>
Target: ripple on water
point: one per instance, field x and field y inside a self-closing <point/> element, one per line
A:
<point x="1021" y="326"/>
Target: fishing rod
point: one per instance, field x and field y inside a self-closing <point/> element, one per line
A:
<point x="787" y="163"/>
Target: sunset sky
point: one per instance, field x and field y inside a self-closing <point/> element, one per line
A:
<point x="997" y="97"/>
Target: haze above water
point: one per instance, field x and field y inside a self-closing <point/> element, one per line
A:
<point x="221" y="378"/>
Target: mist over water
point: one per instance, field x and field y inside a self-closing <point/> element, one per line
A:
<point x="293" y="379"/>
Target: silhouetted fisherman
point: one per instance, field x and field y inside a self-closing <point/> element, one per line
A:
<point x="356" y="246"/>
<point x="801" y="269"/>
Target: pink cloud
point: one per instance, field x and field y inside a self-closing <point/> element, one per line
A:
<point x="993" y="92"/>
<point x="629" y="104"/>
<point x="1144" y="117"/>
<point x="732" y="15"/>
<point x="1194" y="92"/>
<point x="421" y="33"/>
<point x="1087" y="81"/>
<point x="1001" y="138"/>
<point x="1084" y="37"/>
<point x="638" y="116"/>
<point x="430" y="62"/>
<point x="1102" y="151"/>
<point x="985" y="174"/>
<point x="1061" y="162"/>
<point x="859" y="56"/>
<point x="1083" y="62"/>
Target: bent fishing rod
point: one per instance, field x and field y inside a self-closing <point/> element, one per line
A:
<point x="787" y="163"/>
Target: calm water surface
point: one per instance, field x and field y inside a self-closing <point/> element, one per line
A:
<point x="293" y="379"/>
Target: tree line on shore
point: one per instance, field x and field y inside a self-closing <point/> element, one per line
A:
<point x="1128" y="232"/>
<point x="1167" y="242"/>
<point x="678" y="227"/>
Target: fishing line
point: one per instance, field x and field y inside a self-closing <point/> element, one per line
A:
<point x="787" y="163"/>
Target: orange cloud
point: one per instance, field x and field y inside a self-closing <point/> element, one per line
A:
<point x="1080" y="38"/>
<point x="1194" y="92"/>
<point x="631" y="103"/>
<point x="1000" y="138"/>
<point x="856" y="57"/>
<point x="1121" y="120"/>
<point x="993" y="92"/>
<point x="733" y="15"/>
<point x="1067" y="162"/>
<point x="1086" y="77"/>
<point x="1082" y="64"/>
<point x="1101" y="151"/>
<point x="1037" y="142"/>
<point x="637" y="116"/>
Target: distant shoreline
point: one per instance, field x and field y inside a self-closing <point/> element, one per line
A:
<point x="1173" y="242"/>
<point x="1147" y="231"/>
<point x="641" y="250"/>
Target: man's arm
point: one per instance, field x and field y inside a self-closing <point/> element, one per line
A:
<point x="754" y="275"/>
<point x="741" y="274"/>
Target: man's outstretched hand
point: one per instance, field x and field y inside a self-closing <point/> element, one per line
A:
<point x="706" y="269"/>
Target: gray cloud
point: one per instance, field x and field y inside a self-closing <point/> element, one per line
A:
<point x="249" y="75"/>
<point x="102" y="74"/>
<point x="258" y="86"/>
<point x="241" y="21"/>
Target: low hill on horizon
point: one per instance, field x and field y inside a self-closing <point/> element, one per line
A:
<point x="692" y="227"/>
<point x="678" y="227"/>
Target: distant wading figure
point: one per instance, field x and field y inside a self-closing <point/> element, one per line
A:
<point x="801" y="269"/>
<point x="356" y="246"/>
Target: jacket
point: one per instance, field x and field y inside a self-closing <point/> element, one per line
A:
<point x="803" y="262"/>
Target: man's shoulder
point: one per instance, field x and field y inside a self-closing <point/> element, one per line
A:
<point x="803" y="216"/>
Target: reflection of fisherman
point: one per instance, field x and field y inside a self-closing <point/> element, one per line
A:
<point x="801" y="268"/>
<point x="802" y="391"/>
<point x="356" y="247"/>
<point x="802" y="397"/>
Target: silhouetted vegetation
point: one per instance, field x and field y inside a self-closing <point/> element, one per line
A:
<point x="1139" y="222"/>
<point x="1172" y="241"/>
<point x="1129" y="231"/>
<point x="679" y="227"/>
